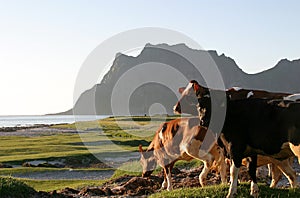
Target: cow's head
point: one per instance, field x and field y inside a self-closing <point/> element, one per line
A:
<point x="189" y="98"/>
<point x="147" y="161"/>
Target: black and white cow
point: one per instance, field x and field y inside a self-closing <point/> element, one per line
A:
<point x="293" y="97"/>
<point x="258" y="126"/>
<point x="252" y="127"/>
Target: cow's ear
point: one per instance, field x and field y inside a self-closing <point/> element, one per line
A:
<point x="140" y="149"/>
<point x="181" y="89"/>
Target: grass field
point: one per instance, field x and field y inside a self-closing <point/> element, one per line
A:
<point x="75" y="149"/>
<point x="103" y="138"/>
<point x="218" y="191"/>
<point x="118" y="131"/>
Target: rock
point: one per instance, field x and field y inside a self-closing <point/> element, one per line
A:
<point x="48" y="165"/>
<point x="45" y="164"/>
<point x="91" y="192"/>
<point x="108" y="191"/>
<point x="176" y="171"/>
<point x="27" y="164"/>
<point x="69" y="191"/>
<point x="5" y="166"/>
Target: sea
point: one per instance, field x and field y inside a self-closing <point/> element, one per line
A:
<point x="18" y="121"/>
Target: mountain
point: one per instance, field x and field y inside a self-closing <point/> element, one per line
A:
<point x="283" y="77"/>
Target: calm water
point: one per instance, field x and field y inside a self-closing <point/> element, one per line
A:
<point x="12" y="121"/>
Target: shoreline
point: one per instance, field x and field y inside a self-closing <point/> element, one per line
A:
<point x="17" y="128"/>
<point x="13" y="123"/>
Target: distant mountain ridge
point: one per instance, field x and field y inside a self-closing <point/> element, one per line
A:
<point x="283" y="77"/>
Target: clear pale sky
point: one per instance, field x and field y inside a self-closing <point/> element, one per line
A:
<point x="44" y="43"/>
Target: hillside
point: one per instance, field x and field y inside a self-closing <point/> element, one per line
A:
<point x="283" y="77"/>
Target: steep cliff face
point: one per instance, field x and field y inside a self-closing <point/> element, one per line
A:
<point x="283" y="77"/>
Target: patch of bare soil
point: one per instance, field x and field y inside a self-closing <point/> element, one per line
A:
<point x="129" y="186"/>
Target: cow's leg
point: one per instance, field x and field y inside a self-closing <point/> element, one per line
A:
<point x="193" y="150"/>
<point x="204" y="172"/>
<point x="165" y="182"/>
<point x="276" y="175"/>
<point x="223" y="172"/>
<point x="296" y="150"/>
<point x="288" y="171"/>
<point x="234" y="171"/>
<point x="252" y="173"/>
<point x="237" y="149"/>
<point x="222" y="166"/>
<point x="270" y="169"/>
<point x="169" y="179"/>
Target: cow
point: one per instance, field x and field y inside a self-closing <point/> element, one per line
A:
<point x="236" y="93"/>
<point x="181" y="139"/>
<point x="189" y="96"/>
<point x="257" y="127"/>
<point x="293" y="97"/>
<point x="188" y="104"/>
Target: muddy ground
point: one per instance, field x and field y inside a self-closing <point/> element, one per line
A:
<point x="128" y="186"/>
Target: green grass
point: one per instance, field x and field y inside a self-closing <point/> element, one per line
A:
<point x="103" y="138"/>
<point x="129" y="168"/>
<point x="217" y="191"/>
<point x="135" y="168"/>
<point x="20" y="149"/>
<point x="50" y="185"/>
<point x="117" y="131"/>
<point x="10" y="187"/>
<point x="22" y="170"/>
<point x="188" y="164"/>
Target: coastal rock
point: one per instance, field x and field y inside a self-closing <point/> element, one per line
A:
<point x="44" y="164"/>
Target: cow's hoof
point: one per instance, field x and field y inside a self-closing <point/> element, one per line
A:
<point x="254" y="190"/>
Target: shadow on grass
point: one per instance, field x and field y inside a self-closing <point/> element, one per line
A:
<point x="133" y="143"/>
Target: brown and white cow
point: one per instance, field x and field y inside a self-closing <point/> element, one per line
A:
<point x="181" y="139"/>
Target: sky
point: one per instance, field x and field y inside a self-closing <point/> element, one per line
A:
<point x="44" y="43"/>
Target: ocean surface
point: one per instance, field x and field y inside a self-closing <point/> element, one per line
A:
<point x="13" y="121"/>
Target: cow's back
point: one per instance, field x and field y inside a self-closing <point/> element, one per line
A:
<point x="256" y="123"/>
